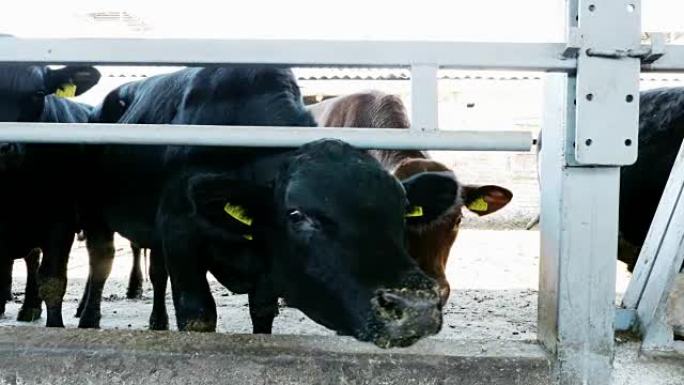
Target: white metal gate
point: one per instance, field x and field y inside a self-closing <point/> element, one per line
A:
<point x="590" y="130"/>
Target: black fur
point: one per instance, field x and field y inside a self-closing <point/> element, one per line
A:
<point x="37" y="199"/>
<point x="328" y="226"/>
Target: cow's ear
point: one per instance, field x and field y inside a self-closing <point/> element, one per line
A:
<point x="431" y="194"/>
<point x="483" y="200"/>
<point x="71" y="80"/>
<point x="228" y="205"/>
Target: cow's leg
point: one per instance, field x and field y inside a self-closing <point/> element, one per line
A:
<point x="263" y="307"/>
<point x="80" y="236"/>
<point x="31" y="309"/>
<point x="6" y="265"/>
<point x="84" y="297"/>
<point x="52" y="278"/>
<point x="159" y="319"/>
<point x="195" y="307"/>
<point x="100" y="244"/>
<point x="135" y="280"/>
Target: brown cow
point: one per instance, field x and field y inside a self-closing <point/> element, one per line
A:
<point x="429" y="243"/>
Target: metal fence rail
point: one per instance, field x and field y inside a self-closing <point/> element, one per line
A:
<point x="301" y="53"/>
<point x="262" y="136"/>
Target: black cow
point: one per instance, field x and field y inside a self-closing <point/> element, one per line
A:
<point x="321" y="225"/>
<point x="110" y="111"/>
<point x="661" y="131"/>
<point x="37" y="199"/>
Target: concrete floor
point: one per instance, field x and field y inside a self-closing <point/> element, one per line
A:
<point x="494" y="275"/>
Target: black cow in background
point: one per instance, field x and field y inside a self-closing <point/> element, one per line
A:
<point x="110" y="111"/>
<point x="321" y="225"/>
<point x="37" y="198"/>
<point x="661" y="131"/>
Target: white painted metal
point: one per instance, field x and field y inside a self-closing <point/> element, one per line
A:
<point x="659" y="262"/>
<point x="262" y="136"/>
<point x="654" y="239"/>
<point x="607" y="87"/>
<point x="656" y="50"/>
<point x="424" y="97"/>
<point x="511" y="56"/>
<point x="625" y="319"/>
<point x="579" y="210"/>
<point x="671" y="61"/>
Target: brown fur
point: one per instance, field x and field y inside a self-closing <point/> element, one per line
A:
<point x="429" y="244"/>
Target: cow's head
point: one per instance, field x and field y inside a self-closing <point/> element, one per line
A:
<point x="430" y="237"/>
<point x="115" y="104"/>
<point x="334" y="224"/>
<point x="23" y="89"/>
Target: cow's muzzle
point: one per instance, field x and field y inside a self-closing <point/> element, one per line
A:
<point x="404" y="316"/>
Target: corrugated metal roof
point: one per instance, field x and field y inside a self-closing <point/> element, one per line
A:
<point x="403" y="74"/>
<point x="373" y="74"/>
<point x="325" y="73"/>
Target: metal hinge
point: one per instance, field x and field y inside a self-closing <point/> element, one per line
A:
<point x="647" y="54"/>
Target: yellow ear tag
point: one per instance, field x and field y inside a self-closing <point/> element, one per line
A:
<point x="414" y="211"/>
<point x="66" y="91"/>
<point x="478" y="205"/>
<point x="238" y="213"/>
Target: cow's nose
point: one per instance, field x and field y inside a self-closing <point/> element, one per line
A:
<point x="6" y="148"/>
<point x="396" y="303"/>
<point x="407" y="315"/>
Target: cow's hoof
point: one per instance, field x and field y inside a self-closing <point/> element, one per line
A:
<point x="159" y="322"/>
<point x="54" y="317"/>
<point x="201" y="326"/>
<point x="29" y="314"/>
<point x="89" y="322"/>
<point x="134" y="292"/>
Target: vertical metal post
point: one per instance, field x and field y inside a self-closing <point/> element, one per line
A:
<point x="579" y="213"/>
<point x="590" y="119"/>
<point x="424" y="97"/>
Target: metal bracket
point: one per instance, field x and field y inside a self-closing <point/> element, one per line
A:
<point x="607" y="83"/>
<point x="574" y="43"/>
<point x="656" y="50"/>
<point x="647" y="54"/>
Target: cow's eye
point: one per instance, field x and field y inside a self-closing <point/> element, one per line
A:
<point x="301" y="221"/>
<point x="296" y="216"/>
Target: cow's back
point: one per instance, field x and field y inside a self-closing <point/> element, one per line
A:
<point x="131" y="179"/>
<point x="371" y="109"/>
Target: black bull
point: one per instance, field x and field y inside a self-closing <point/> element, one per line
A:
<point x="36" y="199"/>
<point x="661" y="131"/>
<point x="321" y="226"/>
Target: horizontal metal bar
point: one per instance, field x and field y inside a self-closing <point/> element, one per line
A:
<point x="671" y="61"/>
<point x="511" y="56"/>
<point x="262" y="136"/>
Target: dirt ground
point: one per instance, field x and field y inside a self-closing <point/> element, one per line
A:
<point x="493" y="274"/>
